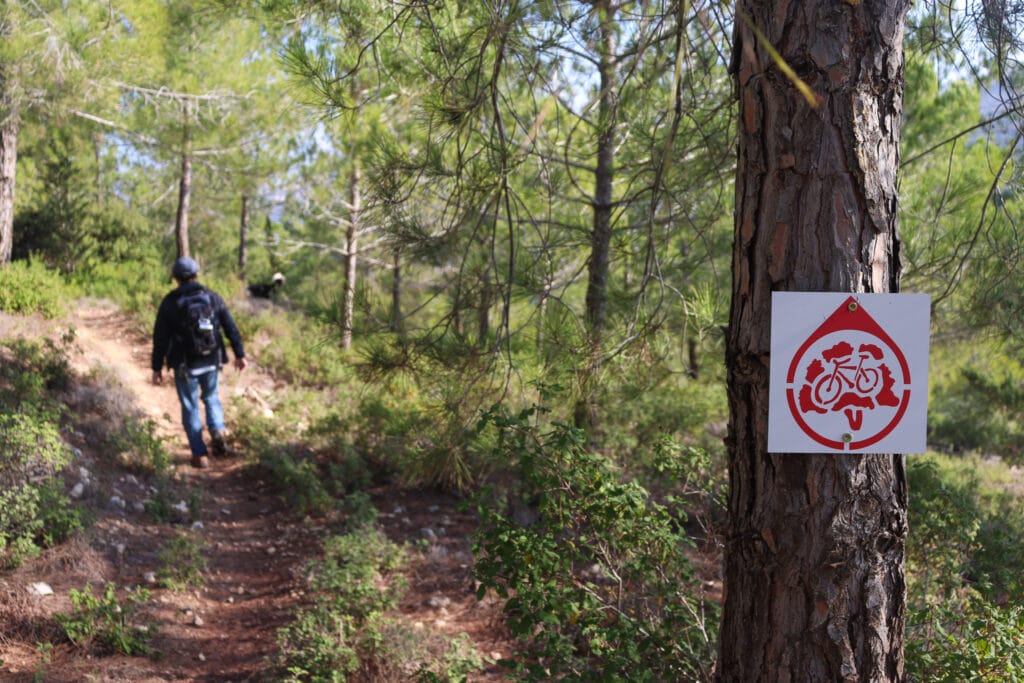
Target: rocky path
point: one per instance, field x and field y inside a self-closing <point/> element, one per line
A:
<point x="254" y="549"/>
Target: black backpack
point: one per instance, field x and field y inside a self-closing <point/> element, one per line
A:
<point x="198" y="324"/>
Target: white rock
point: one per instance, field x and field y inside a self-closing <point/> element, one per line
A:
<point x="149" y="577"/>
<point x="202" y="657"/>
<point x="40" y="588"/>
<point x="77" y="490"/>
<point x="181" y="506"/>
<point x="83" y="474"/>
<point x="117" y="502"/>
<point x="439" y="601"/>
<point x="197" y="525"/>
<point x="271" y="550"/>
<point x="197" y="620"/>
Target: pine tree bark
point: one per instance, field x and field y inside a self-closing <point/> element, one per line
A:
<point x="586" y="415"/>
<point x="351" y="236"/>
<point x="8" y="165"/>
<point x="184" y="187"/>
<point x="814" y="571"/>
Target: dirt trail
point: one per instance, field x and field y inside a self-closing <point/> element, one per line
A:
<point x="254" y="548"/>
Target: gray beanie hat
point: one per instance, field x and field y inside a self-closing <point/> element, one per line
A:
<point x="185" y="268"/>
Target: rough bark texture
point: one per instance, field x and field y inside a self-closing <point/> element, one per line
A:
<point x="601" y="236"/>
<point x="815" y="586"/>
<point x="8" y="163"/>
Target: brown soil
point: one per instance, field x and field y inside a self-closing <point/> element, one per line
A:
<point x="255" y="548"/>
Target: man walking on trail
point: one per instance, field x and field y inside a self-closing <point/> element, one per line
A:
<point x="188" y="335"/>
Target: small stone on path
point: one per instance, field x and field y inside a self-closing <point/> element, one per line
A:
<point x="40" y="588"/>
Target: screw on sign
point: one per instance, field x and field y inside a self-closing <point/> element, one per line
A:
<point x="849" y="367"/>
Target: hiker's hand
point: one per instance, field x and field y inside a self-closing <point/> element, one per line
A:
<point x="241" y="364"/>
<point x="158" y="377"/>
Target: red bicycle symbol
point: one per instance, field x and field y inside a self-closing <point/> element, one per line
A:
<point x="847" y="376"/>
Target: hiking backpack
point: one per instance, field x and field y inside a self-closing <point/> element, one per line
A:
<point x="198" y="322"/>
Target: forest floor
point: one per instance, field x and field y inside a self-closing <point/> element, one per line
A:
<point x="255" y="548"/>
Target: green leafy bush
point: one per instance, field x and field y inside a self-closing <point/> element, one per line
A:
<point x="28" y="287"/>
<point x="296" y="475"/>
<point x="135" y="443"/>
<point x="105" y="625"/>
<point x="319" y="646"/>
<point x="975" y="402"/>
<point x="964" y="551"/>
<point x="352" y="568"/>
<point x="181" y="562"/>
<point x="346" y="632"/>
<point x="596" y="579"/>
<point x="966" y="640"/>
<point x="31" y="453"/>
<point x="34" y="374"/>
<point x="962" y="533"/>
<point x="353" y="583"/>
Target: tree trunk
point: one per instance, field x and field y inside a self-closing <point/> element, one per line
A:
<point x="97" y="148"/>
<point x="396" y="293"/>
<point x="184" y="187"/>
<point x="814" y="571"/>
<point x="601" y="236"/>
<point x="243" y="238"/>
<point x="351" y="235"/>
<point x="8" y="164"/>
<point x="483" y="310"/>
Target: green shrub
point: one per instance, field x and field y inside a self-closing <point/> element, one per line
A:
<point x="346" y="632"/>
<point x="31" y="453"/>
<point x="59" y="518"/>
<point x="302" y="352"/>
<point x="596" y="579"/>
<point x="136" y="286"/>
<point x="964" y="552"/>
<point x="135" y="443"/>
<point x="318" y="646"/>
<point x="181" y="563"/>
<point x="296" y="475"/>
<point x="963" y="532"/>
<point x="105" y="625"/>
<point x="352" y="584"/>
<point x="975" y="401"/>
<point x="352" y="568"/>
<point x="966" y="640"/>
<point x="28" y="287"/>
<point x="35" y="374"/>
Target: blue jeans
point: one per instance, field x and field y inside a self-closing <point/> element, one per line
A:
<point x="190" y="391"/>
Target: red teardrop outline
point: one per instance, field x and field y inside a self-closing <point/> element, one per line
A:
<point x="846" y="319"/>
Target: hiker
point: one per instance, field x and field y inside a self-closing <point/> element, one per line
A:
<point x="264" y="290"/>
<point x="188" y="335"/>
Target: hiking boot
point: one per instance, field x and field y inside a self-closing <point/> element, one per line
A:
<point x="200" y="462"/>
<point x="217" y="444"/>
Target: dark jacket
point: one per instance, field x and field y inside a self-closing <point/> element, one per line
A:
<point x="168" y="344"/>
